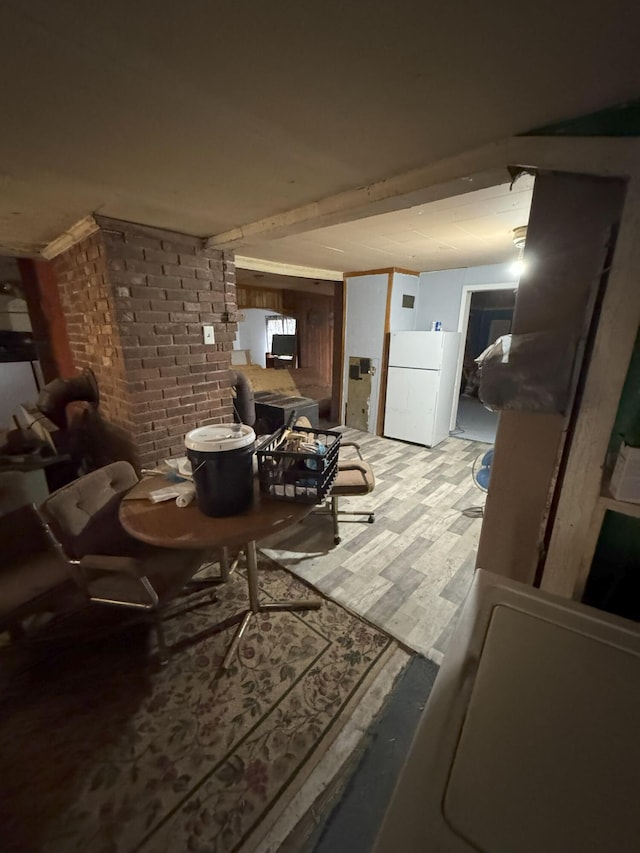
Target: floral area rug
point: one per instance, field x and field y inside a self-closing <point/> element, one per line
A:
<point x="103" y="750"/>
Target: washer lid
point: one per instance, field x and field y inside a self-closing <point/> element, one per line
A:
<point x="216" y="438"/>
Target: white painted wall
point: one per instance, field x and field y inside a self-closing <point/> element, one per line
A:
<point x="403" y="319"/>
<point x="17" y="385"/>
<point x="440" y="292"/>
<point x="14" y="315"/>
<point x="366" y="297"/>
<point x="252" y="333"/>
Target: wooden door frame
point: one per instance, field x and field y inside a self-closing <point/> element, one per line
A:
<point x="339" y="311"/>
<point x="384" y="358"/>
<point x="384" y="355"/>
<point x="576" y="213"/>
<point x="463" y="324"/>
<point x="581" y="502"/>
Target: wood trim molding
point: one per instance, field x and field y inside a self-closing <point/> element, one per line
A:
<point x="384" y="361"/>
<point x="339" y="355"/>
<point x="265" y="298"/>
<point x="403" y="271"/>
<point x="82" y="229"/>
<point x="381" y="271"/>
<point x="260" y="265"/>
<point x="343" y="399"/>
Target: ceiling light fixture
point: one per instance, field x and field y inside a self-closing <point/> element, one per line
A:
<point x="519" y="237"/>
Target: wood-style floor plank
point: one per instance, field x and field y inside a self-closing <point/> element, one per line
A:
<point x="409" y="572"/>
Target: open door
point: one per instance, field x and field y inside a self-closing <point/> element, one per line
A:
<point x="361" y="371"/>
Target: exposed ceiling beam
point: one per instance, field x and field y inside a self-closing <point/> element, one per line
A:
<point x="473" y="170"/>
<point x="596" y="155"/>
<point x="82" y="229"/>
<point x="259" y="265"/>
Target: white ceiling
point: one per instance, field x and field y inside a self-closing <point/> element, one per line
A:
<point x="201" y="116"/>
<point x="467" y="230"/>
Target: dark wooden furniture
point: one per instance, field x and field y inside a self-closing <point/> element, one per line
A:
<point x="299" y="382"/>
<point x="273" y="409"/>
<point x="169" y="526"/>
<point x="279" y="362"/>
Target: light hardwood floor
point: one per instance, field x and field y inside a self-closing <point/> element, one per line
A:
<point x="409" y="571"/>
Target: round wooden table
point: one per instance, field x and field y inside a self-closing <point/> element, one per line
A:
<point x="169" y="526"/>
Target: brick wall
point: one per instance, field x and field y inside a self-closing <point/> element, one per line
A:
<point x="87" y="302"/>
<point x="145" y="295"/>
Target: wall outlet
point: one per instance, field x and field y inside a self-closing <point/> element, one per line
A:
<point x="209" y="336"/>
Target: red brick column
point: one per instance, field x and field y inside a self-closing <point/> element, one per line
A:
<point x="135" y="300"/>
<point x="47" y="318"/>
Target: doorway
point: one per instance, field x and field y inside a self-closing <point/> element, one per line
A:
<point x="358" y="403"/>
<point x="486" y="313"/>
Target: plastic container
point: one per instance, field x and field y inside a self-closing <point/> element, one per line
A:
<point x="290" y="476"/>
<point x="221" y="457"/>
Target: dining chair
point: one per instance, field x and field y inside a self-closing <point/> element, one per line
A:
<point x="111" y="567"/>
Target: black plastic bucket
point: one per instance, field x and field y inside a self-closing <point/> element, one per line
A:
<point x="221" y="459"/>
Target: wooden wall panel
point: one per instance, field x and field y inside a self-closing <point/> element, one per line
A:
<point x="259" y="297"/>
<point x="315" y="318"/>
<point x="338" y="351"/>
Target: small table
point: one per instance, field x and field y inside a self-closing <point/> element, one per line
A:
<point x="169" y="526"/>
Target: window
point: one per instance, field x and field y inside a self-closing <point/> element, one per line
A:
<point x="279" y="325"/>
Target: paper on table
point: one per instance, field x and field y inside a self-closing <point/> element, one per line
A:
<point x="186" y="497"/>
<point x="175" y="490"/>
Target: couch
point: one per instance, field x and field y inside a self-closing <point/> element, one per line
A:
<point x="296" y="382"/>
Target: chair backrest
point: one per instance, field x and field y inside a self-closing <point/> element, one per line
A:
<point x="84" y="513"/>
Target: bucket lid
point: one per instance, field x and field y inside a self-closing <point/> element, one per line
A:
<point x="219" y="437"/>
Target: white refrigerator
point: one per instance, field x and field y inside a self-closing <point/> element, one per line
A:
<point x="421" y="384"/>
